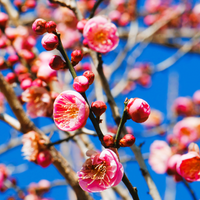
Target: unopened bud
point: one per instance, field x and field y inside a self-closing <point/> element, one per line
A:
<point x="127" y="141"/>
<point x="10" y="77"/>
<point x="90" y="76"/>
<point x="39" y="26"/>
<point x="13" y="59"/>
<point x="76" y="57"/>
<point x="44" y="158"/>
<point x="50" y="26"/>
<point x="26" y="83"/>
<point x="56" y="62"/>
<point x="50" y="41"/>
<point x="81" y="84"/>
<point x="108" y="140"/>
<point x="98" y="108"/>
<point x="81" y="24"/>
<point x="3" y="19"/>
<point x="138" y="110"/>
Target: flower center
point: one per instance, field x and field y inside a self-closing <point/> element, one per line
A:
<point x="95" y="172"/>
<point x="100" y="37"/>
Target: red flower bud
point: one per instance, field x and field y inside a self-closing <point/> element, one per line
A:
<point x="13" y="59"/>
<point x="56" y="63"/>
<point x="76" y="57"/>
<point x="138" y="110"/>
<point x="127" y="141"/>
<point x="81" y="84"/>
<point x="10" y="77"/>
<point x="39" y="26"/>
<point x="44" y="158"/>
<point x="98" y="108"/>
<point x="50" y="26"/>
<point x="108" y="140"/>
<point x="81" y="24"/>
<point x="2" y="63"/>
<point x="90" y="76"/>
<point x="26" y="83"/>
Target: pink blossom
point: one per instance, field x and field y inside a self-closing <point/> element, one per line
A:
<point x="196" y="96"/>
<point x="138" y="110"/>
<point x="185" y="131"/>
<point x="38" y="26"/>
<point x="44" y="158"/>
<point x="101" y="171"/>
<point x="70" y="111"/>
<point x="150" y="19"/>
<point x="38" y="100"/>
<point x="31" y="197"/>
<point x="46" y="74"/>
<point x="171" y="164"/>
<point x="81" y="84"/>
<point x="188" y="166"/>
<point x="183" y="106"/>
<point x="160" y="152"/>
<point x="101" y="34"/>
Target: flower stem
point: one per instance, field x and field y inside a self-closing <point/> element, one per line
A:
<point x="121" y="124"/>
<point x="65" y="56"/>
<point x="94" y="8"/>
<point x="131" y="189"/>
<point x="189" y="189"/>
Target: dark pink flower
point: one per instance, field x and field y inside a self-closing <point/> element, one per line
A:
<point x="101" y="171"/>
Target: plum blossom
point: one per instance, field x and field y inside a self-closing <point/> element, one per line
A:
<point x="101" y="171"/>
<point x="70" y="111"/>
<point x="160" y="152"/>
<point x="39" y="102"/>
<point x="101" y="34"/>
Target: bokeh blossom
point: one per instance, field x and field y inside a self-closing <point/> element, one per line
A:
<point x="39" y="102"/>
<point x="160" y="152"/>
<point x="101" y="171"/>
<point x="101" y="35"/>
<point x="70" y="111"/>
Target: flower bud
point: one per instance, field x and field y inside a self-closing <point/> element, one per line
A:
<point x="127" y="141"/>
<point x="81" y="24"/>
<point x="3" y="19"/>
<point x="26" y="83"/>
<point x="39" y="26"/>
<point x="108" y="140"/>
<point x="44" y="158"/>
<point x="76" y="57"/>
<point x="30" y="4"/>
<point x="50" y="26"/>
<point x="85" y="43"/>
<point x="138" y="110"/>
<point x="81" y="84"/>
<point x="10" y="77"/>
<point x="89" y="75"/>
<point x="98" y="108"/>
<point x="56" y="63"/>
<point x="38" y="82"/>
<point x="13" y="59"/>
<point x="50" y="41"/>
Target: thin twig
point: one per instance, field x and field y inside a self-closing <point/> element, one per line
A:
<point x="189" y="189"/>
<point x="94" y="8"/>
